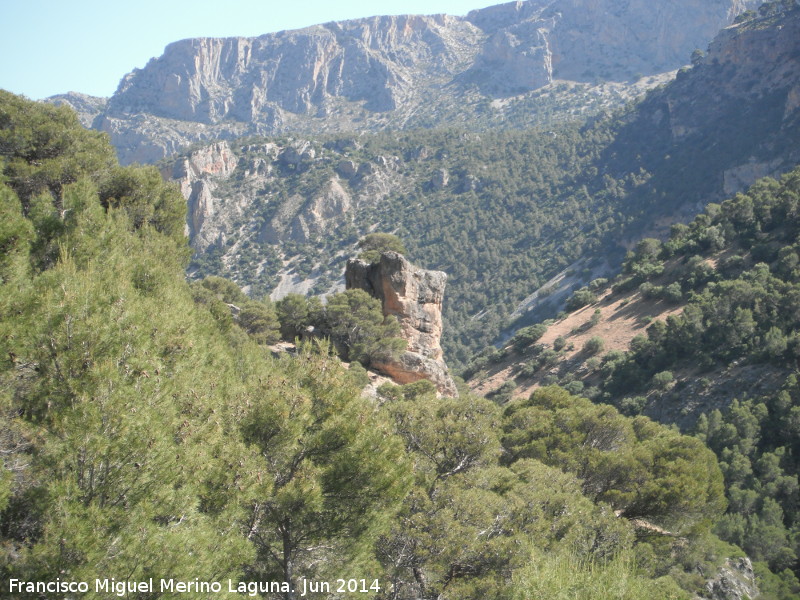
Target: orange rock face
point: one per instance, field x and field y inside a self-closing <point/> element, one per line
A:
<point x="414" y="296"/>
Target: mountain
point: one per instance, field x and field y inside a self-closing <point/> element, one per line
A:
<point x="122" y="376"/>
<point x="400" y="72"/>
<point x="504" y="213"/>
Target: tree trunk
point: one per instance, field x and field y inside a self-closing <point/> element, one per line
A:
<point x="288" y="563"/>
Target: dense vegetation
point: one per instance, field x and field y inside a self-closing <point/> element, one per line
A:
<point x="495" y="490"/>
<point x="144" y="435"/>
<point x="744" y="311"/>
<point x="735" y="272"/>
<point x="147" y="431"/>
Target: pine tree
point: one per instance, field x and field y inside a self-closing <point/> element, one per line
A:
<point x="336" y="471"/>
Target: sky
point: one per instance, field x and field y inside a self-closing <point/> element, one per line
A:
<point x="51" y="47"/>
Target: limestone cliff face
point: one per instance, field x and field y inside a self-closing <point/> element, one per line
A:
<point x="225" y="193"/>
<point x="372" y="73"/>
<point x="414" y="296"/>
<point x="197" y="176"/>
<point x="253" y="79"/>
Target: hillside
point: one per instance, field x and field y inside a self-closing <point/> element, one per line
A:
<point x="615" y="318"/>
<point x="700" y="331"/>
<point x="501" y="212"/>
<point x="147" y="431"/>
<point x="480" y="71"/>
<point x="144" y="418"/>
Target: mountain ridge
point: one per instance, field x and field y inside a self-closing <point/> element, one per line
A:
<point x="393" y="71"/>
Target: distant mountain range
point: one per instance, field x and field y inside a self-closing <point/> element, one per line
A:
<point x="395" y="72"/>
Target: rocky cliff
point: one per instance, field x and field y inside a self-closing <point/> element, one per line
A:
<point x="273" y="194"/>
<point x="414" y="296"/>
<point x="197" y="176"/>
<point x="739" y="104"/>
<point x="398" y="71"/>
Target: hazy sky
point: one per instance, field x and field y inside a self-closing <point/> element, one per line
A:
<point x="54" y="46"/>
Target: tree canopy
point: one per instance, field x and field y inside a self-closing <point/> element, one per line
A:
<point x="373" y="245"/>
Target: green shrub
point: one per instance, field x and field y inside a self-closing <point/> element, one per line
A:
<point x="594" y="345"/>
<point x="373" y="245"/>
<point x="528" y="335"/>
<point x="662" y="380"/>
<point x="580" y="298"/>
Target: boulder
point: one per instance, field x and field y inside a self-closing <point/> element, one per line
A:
<point x="735" y="580"/>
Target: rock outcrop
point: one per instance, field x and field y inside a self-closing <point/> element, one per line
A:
<point x="87" y="107"/>
<point x="735" y="580"/>
<point x="414" y="296"/>
<point x="372" y="73"/>
<point x="197" y="176"/>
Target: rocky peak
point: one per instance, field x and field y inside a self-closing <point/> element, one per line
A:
<point x="414" y="296"/>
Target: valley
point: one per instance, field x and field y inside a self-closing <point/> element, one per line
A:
<point x="497" y="306"/>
